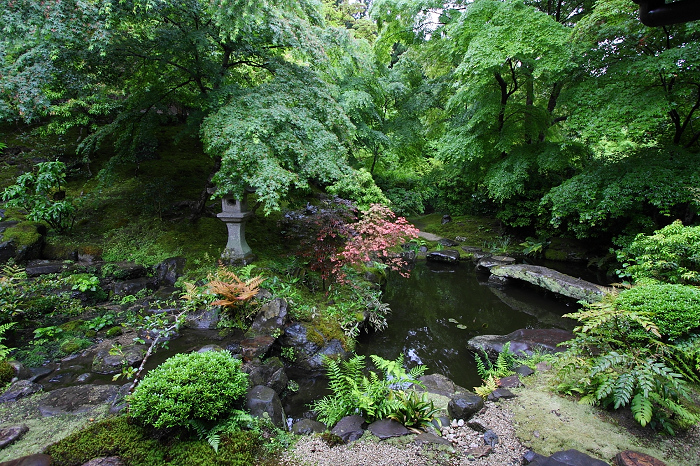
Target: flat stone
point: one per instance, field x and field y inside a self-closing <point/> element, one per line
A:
<point x="633" y="458"/>
<point x="480" y="452"/>
<point x="42" y="267"/>
<point x="512" y="381"/>
<point x="438" y="384"/>
<point x="349" y="428"/>
<point x="11" y="433"/>
<point x="19" y="389"/>
<point x="132" y="287"/>
<point x="387" y="428"/>
<point x="77" y="399"/>
<point x="448" y="256"/>
<point x="490" y="438"/>
<point x="428" y="438"/>
<point x="501" y="394"/>
<point x="576" y="458"/>
<point x="106" y="461"/>
<point x="524" y="370"/>
<point x="535" y="459"/>
<point x="523" y="341"/>
<point x="553" y="281"/>
<point x="448" y="243"/>
<point x="485" y="264"/>
<point x="30" y="460"/>
<point x="308" y="427"/>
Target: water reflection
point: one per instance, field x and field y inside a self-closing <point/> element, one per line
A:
<point x="439" y="308"/>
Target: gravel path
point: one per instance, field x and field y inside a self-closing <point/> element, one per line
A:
<point x="467" y="445"/>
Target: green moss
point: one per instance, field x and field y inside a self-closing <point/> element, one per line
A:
<point x="7" y="372"/>
<point x="114" y="332"/>
<point x="73" y="345"/>
<point x="73" y="325"/>
<point x="325" y="329"/>
<point x="133" y="444"/>
<point x="23" y="234"/>
<point x="476" y="230"/>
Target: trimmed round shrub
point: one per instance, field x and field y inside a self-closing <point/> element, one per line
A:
<point x="675" y="309"/>
<point x="194" y="386"/>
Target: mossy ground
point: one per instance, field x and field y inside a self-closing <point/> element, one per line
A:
<point x="547" y="423"/>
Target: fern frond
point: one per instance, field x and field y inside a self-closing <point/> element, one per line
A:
<point x="642" y="409"/>
<point x="624" y="385"/>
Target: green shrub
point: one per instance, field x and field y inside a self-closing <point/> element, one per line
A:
<point x="7" y="372"/>
<point x="670" y="255"/>
<point x="675" y="309"/>
<point x="42" y="195"/>
<point x="629" y="366"/>
<point x="189" y="387"/>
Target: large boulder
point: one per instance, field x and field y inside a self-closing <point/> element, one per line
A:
<point x="523" y="341"/>
<point x="77" y="399"/>
<point x="21" y="241"/>
<point x="263" y="402"/>
<point x="349" y="428"/>
<point x="168" y="271"/>
<point x="554" y="281"/>
<point x="270" y="320"/>
<point x="310" y="346"/>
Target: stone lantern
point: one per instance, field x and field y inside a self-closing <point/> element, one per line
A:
<point x="235" y="214"/>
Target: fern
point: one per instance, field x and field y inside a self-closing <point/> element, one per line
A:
<point x="490" y="384"/>
<point x="503" y="367"/>
<point x="642" y="409"/>
<point x="4" y="350"/>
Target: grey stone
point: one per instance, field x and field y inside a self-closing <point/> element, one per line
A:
<point x="106" y="461"/>
<point x="270" y="320"/>
<point x="387" y="428"/>
<point x="500" y="394"/>
<point x="535" y="459"/>
<point x="448" y="256"/>
<point x="204" y="318"/>
<point x="524" y="370"/>
<point x="168" y="271"/>
<point x="512" y="381"/>
<point x="308" y="427"/>
<point x="30" y="460"/>
<point x="269" y="373"/>
<point x="105" y="363"/>
<point x="42" y="267"/>
<point x="21" y="372"/>
<point x="479" y="452"/>
<point x="349" y="428"/>
<point x="207" y="348"/>
<point x="522" y="341"/>
<point x="132" y="287"/>
<point x="448" y="243"/>
<point x="440" y="422"/>
<point x="490" y="438"/>
<point x="485" y="264"/>
<point x="428" y="438"/>
<point x="19" y="389"/>
<point x="464" y="405"/>
<point x="263" y="402"/>
<point x="77" y="399"/>
<point x="127" y="270"/>
<point x="11" y="433"/>
<point x="576" y="458"/>
<point x="553" y="281"/>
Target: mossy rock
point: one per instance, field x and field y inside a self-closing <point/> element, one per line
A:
<point x="73" y="345"/>
<point x="114" y="332"/>
<point x="73" y="325"/>
<point x="25" y="234"/>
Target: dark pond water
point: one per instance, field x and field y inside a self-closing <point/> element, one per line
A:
<point x="439" y="308"/>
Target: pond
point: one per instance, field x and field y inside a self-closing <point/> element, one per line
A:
<point x="440" y="307"/>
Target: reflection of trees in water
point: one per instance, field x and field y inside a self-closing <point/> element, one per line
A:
<point x="429" y="306"/>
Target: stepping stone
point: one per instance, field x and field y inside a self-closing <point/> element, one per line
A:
<point x="12" y="433"/>
<point x="633" y="458"/>
<point x="387" y="428"/>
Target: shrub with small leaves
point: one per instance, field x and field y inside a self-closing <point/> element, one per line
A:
<point x="189" y="387"/>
